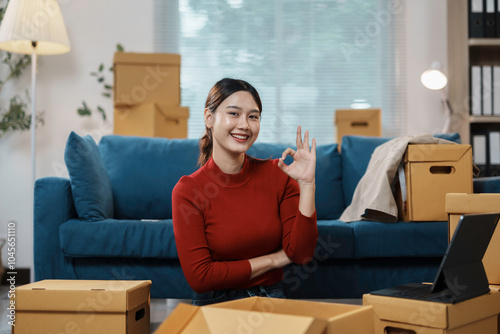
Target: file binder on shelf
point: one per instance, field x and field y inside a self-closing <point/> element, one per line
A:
<point x="494" y="153"/>
<point x="490" y="19"/>
<point x="497" y="18"/>
<point x="479" y="143"/>
<point x="487" y="85"/>
<point x="486" y="148"/>
<point x="496" y="90"/>
<point x="476" y="94"/>
<point x="476" y="19"/>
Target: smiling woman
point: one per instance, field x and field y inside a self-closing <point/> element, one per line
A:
<point x="238" y="220"/>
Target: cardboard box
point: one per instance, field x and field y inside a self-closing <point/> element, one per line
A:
<point x="188" y="319"/>
<point x="358" y="122"/>
<point x="270" y="315"/>
<point x="80" y="306"/>
<point x="398" y="315"/>
<point x="431" y="171"/>
<point x="340" y="318"/>
<point x="146" y="77"/>
<point x="459" y="204"/>
<point x="152" y="120"/>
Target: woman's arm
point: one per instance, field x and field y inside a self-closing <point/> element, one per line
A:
<point x="265" y="263"/>
<point x="303" y="170"/>
<point x="297" y="208"/>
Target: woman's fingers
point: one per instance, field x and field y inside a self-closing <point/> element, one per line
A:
<point x="288" y="151"/>
<point x="299" y="138"/>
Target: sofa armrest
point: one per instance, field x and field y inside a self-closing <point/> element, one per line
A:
<point x="53" y="205"/>
<point x="487" y="185"/>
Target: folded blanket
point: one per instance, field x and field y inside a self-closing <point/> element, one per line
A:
<point x="373" y="198"/>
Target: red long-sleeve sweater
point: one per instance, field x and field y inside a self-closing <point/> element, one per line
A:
<point x="222" y="220"/>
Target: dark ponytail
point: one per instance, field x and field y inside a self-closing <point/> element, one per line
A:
<point x="219" y="92"/>
<point x="206" y="146"/>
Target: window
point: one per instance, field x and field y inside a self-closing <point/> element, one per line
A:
<point x="305" y="57"/>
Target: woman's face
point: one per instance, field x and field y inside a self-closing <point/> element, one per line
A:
<point x="235" y="124"/>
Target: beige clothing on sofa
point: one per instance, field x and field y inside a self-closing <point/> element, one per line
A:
<point x="373" y="198"/>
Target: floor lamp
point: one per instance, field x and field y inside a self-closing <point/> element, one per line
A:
<point x="435" y="79"/>
<point x="33" y="27"/>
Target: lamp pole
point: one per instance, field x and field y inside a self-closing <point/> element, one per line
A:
<point x="33" y="115"/>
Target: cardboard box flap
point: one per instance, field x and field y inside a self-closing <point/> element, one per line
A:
<point x="434" y="314"/>
<point x="188" y="319"/>
<point x="178" y="319"/>
<point x="320" y="310"/>
<point x="435" y="152"/>
<point x="341" y="318"/>
<point x="82" y="295"/>
<point x="131" y="58"/>
<point x="472" y="203"/>
<point x="356" y="114"/>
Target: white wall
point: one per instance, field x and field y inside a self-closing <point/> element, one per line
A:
<point x="94" y="28"/>
<point x="426" y="42"/>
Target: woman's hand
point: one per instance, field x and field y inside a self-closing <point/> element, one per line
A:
<point x="303" y="167"/>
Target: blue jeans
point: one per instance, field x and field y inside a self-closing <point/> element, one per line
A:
<point x="218" y="296"/>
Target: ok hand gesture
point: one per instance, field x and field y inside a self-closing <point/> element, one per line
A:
<point x="303" y="167"/>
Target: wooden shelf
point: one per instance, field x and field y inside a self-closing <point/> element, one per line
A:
<point x="484" y="119"/>
<point x="484" y="42"/>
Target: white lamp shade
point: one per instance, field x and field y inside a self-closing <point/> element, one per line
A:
<point x="28" y="21"/>
<point x="434" y="79"/>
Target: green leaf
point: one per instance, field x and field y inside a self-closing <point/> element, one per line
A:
<point x="101" y="79"/>
<point x="119" y="48"/>
<point x="103" y="113"/>
<point x="83" y="112"/>
<point x="106" y="86"/>
<point x="106" y="94"/>
<point x="101" y="67"/>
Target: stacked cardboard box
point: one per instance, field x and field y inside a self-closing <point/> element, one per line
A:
<point x="430" y="172"/>
<point x="358" y="122"/>
<point x="147" y="95"/>
<point x="459" y="204"/>
<point x="397" y="315"/>
<point x="81" y="306"/>
<point x="269" y="315"/>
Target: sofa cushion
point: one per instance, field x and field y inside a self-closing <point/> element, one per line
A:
<point x="143" y="172"/>
<point x="90" y="183"/>
<point x="336" y="239"/>
<point x="402" y="239"/>
<point x="356" y="154"/>
<point x="329" y="196"/>
<point x="118" y="238"/>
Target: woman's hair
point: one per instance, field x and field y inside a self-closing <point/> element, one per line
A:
<point x="219" y="92"/>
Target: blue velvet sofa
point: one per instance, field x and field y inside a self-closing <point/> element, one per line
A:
<point x="112" y="220"/>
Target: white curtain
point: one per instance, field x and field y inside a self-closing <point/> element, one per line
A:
<point x="305" y="57"/>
